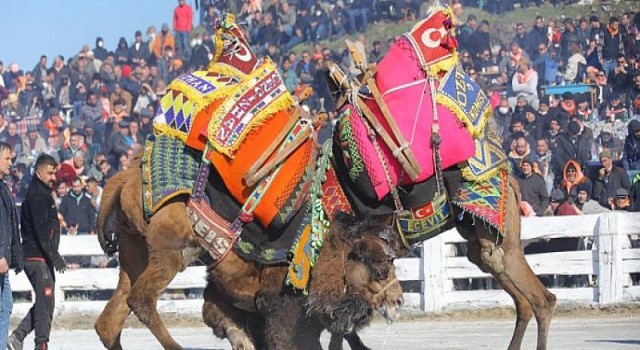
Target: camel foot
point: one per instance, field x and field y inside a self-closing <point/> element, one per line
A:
<point x="239" y="340"/>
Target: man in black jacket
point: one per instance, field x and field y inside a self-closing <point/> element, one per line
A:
<point x="78" y="212"/>
<point x="10" y="251"/>
<point x="40" y="239"/>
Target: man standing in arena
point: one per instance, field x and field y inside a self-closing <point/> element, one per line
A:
<point x="40" y="239"/>
<point x="10" y="251"/>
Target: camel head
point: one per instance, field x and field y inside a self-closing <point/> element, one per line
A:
<point x="355" y="275"/>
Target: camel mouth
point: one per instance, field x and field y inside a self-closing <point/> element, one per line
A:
<point x="391" y="313"/>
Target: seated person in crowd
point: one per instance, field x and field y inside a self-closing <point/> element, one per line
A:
<point x="610" y="179"/>
<point x="573" y="145"/>
<point x="614" y="110"/>
<point x="621" y="200"/>
<point x="572" y="177"/>
<point x="525" y="83"/>
<point x="531" y="123"/>
<point x="549" y="168"/>
<point x="519" y="150"/>
<point x="606" y="142"/>
<point x="535" y="198"/>
<point x="583" y="110"/>
<point x="633" y="97"/>
<point x="585" y="204"/>
<point x="552" y="133"/>
<point x="560" y="206"/>
<point x="631" y="158"/>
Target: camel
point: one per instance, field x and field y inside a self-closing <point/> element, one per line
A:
<point x="354" y="277"/>
<point x="505" y="261"/>
<point x="152" y="253"/>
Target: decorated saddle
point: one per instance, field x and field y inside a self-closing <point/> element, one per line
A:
<point x="461" y="106"/>
<point x="240" y="114"/>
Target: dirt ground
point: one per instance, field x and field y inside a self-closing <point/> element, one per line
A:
<point x="86" y="321"/>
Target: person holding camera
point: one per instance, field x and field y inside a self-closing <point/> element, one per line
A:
<point x="40" y="238"/>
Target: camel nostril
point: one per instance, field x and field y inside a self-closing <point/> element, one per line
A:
<point x="400" y="302"/>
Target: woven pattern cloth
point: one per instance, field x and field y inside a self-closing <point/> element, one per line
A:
<point x="169" y="169"/>
<point x="485" y="200"/>
<point x="326" y="199"/>
<point x="488" y="160"/>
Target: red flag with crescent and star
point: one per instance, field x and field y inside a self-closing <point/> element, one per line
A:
<point x="433" y="38"/>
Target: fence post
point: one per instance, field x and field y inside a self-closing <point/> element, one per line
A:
<point x="433" y="274"/>
<point x="610" y="274"/>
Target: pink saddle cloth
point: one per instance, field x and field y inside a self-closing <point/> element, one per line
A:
<point x="407" y="95"/>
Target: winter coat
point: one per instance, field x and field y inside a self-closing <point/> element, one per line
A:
<point x="534" y="192"/>
<point x="605" y="187"/>
<point x="631" y="158"/>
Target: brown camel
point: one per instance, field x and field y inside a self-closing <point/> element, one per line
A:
<point x="353" y="277"/>
<point x="505" y="261"/>
<point x="152" y="253"/>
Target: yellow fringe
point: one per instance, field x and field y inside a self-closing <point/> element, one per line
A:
<point x="196" y="97"/>
<point x="166" y="198"/>
<point x="226" y="70"/>
<point x="164" y="129"/>
<point x="470" y="176"/>
<point x="444" y="65"/>
<point x="454" y="107"/>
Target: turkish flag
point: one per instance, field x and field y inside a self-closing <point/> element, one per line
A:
<point x="422" y="212"/>
<point x="432" y="38"/>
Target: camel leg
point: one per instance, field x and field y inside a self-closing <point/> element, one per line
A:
<point x="524" y="310"/>
<point x="111" y="321"/>
<point x="133" y="260"/>
<point x="507" y="258"/>
<point x="168" y="235"/>
<point x="226" y="320"/>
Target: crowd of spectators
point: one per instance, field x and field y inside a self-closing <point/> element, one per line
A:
<point x="585" y="146"/>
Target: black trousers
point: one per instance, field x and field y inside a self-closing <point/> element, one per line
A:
<point x="40" y="315"/>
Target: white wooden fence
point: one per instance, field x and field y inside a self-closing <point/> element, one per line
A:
<point x="612" y="260"/>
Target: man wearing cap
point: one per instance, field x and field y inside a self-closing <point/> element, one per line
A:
<point x="13" y="110"/>
<point x="610" y="179"/>
<point x="621" y="200"/>
<point x="560" y="205"/>
<point x="32" y="145"/>
<point x="139" y="49"/>
<point x="93" y="138"/>
<point x="606" y="142"/>
<point x="585" y="204"/>
<point x="119" y="143"/>
<point x="532" y="186"/>
<point x="631" y="158"/>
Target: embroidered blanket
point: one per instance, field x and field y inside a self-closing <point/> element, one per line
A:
<point x="407" y="94"/>
<point x="326" y="199"/>
<point x="257" y="98"/>
<point x="485" y="200"/>
<point x="289" y="183"/>
<point x="186" y="97"/>
<point x="169" y="169"/>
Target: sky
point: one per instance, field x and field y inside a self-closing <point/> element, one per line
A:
<point x="30" y="28"/>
